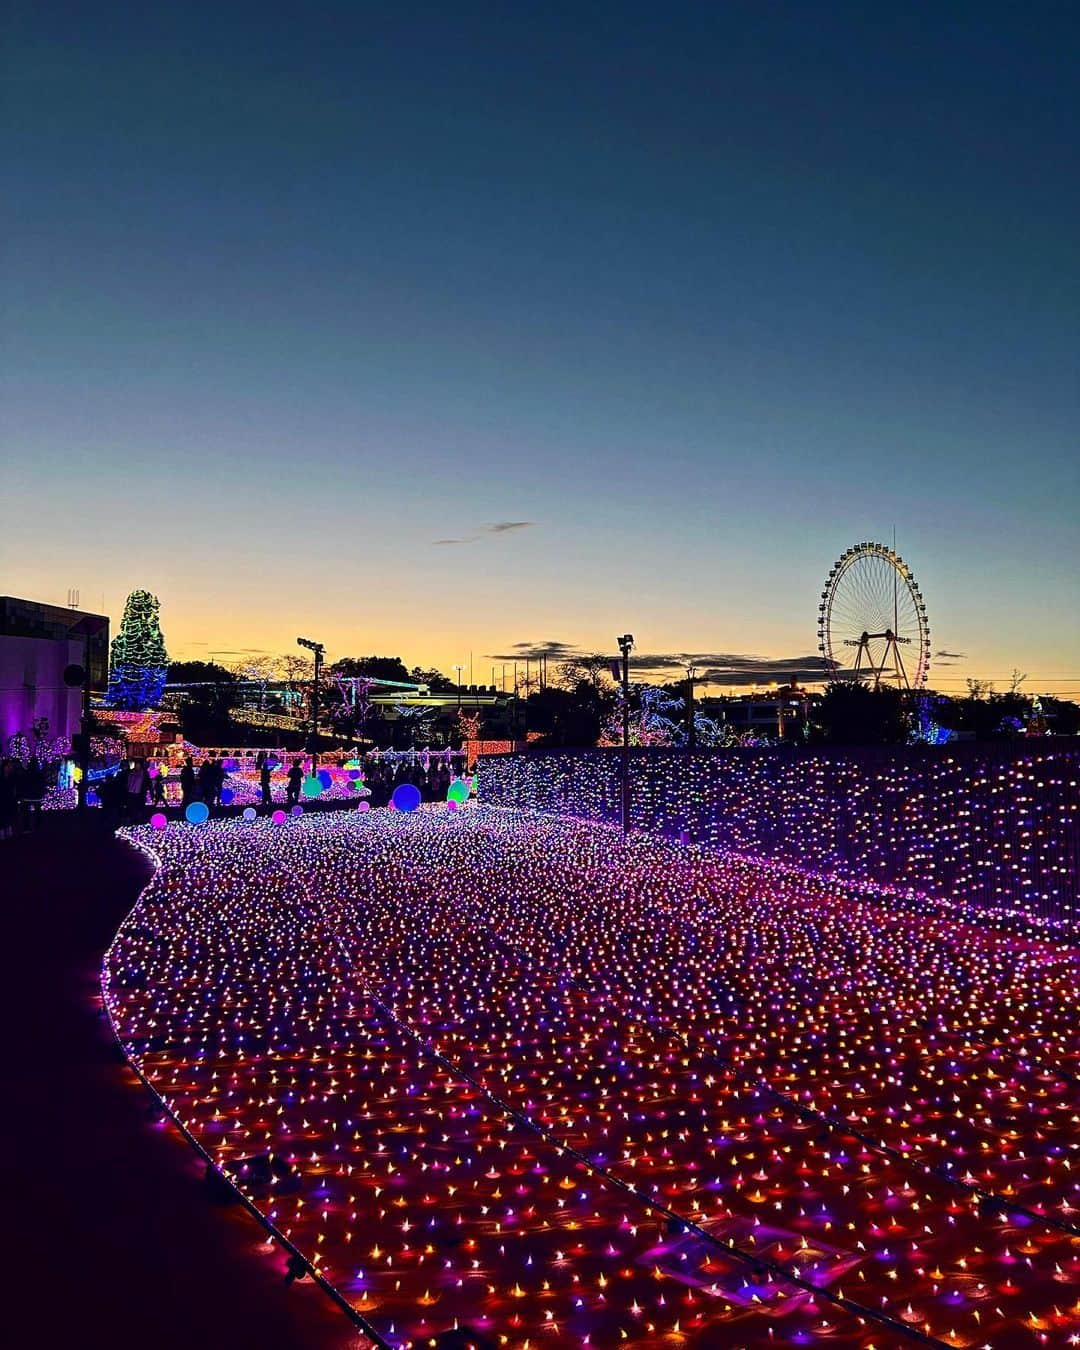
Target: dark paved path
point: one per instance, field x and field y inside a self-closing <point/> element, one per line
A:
<point x="110" y="1237"/>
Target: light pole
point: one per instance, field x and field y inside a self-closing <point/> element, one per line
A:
<point x="318" y="649"/>
<point x="626" y="643"/>
<point x="459" y="669"/>
<point x="691" y="730"/>
<point x="85" y="628"/>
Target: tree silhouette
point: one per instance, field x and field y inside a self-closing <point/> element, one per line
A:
<point x="854" y="714"/>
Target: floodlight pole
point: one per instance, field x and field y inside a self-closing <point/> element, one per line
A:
<point x="626" y="642"/>
<point x="84" y="628"/>
<point x="691" y="730"/>
<point x="318" y="649"/>
<point x="84" y="727"/>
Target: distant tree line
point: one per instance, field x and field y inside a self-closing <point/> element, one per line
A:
<point x="581" y="707"/>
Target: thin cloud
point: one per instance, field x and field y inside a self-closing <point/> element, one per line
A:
<point x="732" y="668"/>
<point x="532" y="651"/>
<point x="496" y="527"/>
<point x="738" y="668"/>
<point x="950" y="656"/>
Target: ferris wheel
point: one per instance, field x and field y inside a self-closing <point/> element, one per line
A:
<point x="872" y="623"/>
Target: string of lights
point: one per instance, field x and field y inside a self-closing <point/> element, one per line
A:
<point x="991" y="830"/>
<point x="514" y="1079"/>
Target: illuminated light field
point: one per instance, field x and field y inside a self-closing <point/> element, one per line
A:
<point x="511" y="1075"/>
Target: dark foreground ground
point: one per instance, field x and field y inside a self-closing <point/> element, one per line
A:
<point x="110" y="1236"/>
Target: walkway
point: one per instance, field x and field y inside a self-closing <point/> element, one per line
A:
<point x="117" y="1241"/>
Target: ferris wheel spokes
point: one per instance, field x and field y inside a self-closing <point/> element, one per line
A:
<point x="871" y="608"/>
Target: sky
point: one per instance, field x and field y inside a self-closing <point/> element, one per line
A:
<point x="454" y="332"/>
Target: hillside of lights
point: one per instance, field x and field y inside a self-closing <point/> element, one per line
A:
<point x="516" y="1078"/>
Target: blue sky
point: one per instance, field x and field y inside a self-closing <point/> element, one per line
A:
<point x="704" y="293"/>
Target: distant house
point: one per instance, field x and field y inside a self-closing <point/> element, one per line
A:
<point x="778" y="713"/>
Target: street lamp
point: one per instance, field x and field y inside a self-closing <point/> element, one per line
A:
<point x="459" y="669"/>
<point x="318" y="649"/>
<point x="691" y="730"/>
<point x="626" y="643"/>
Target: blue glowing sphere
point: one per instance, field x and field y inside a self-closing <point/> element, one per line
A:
<point x="406" y="797"/>
<point x="197" y="812"/>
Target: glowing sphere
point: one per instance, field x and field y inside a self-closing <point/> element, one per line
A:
<point x="226" y="796"/>
<point x="312" y="787"/>
<point x="296" y="810"/>
<point x="196" y="812"/>
<point x="158" y="821"/>
<point x="324" y="777"/>
<point x="92" y="799"/>
<point x="278" y="817"/>
<point x="363" y="806"/>
<point x="458" y="791"/>
<point x="452" y="804"/>
<point x="249" y="813"/>
<point x="353" y="773"/>
<point x="406" y="797"/>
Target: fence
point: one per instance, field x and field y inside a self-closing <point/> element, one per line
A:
<point x="994" y="827"/>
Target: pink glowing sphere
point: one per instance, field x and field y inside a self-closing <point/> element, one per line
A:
<point x="158" y="821"/>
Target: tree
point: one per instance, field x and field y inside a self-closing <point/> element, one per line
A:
<point x="435" y="680"/>
<point x="562" y="719"/>
<point x="1062" y="715"/>
<point x="199" y="672"/>
<point x="205" y="713"/>
<point x="138" y="660"/>
<point x="985" y="715"/>
<point x="656" y="718"/>
<point x="294" y="668"/>
<point x="374" y="667"/>
<point x="592" y="668"/>
<point x="854" y="714"/>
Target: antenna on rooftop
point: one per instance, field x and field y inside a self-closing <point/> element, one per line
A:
<point x="73" y="598"/>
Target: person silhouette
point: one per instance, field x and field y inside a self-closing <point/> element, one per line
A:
<point x="295" y="779"/>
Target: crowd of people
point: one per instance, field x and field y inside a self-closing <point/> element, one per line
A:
<point x="137" y="784"/>
<point x="383" y="776"/>
<point x="22" y="791"/>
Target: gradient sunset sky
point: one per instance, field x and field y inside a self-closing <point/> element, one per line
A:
<point x="652" y="309"/>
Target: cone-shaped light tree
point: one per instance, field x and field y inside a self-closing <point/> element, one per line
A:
<point x="138" y="662"/>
